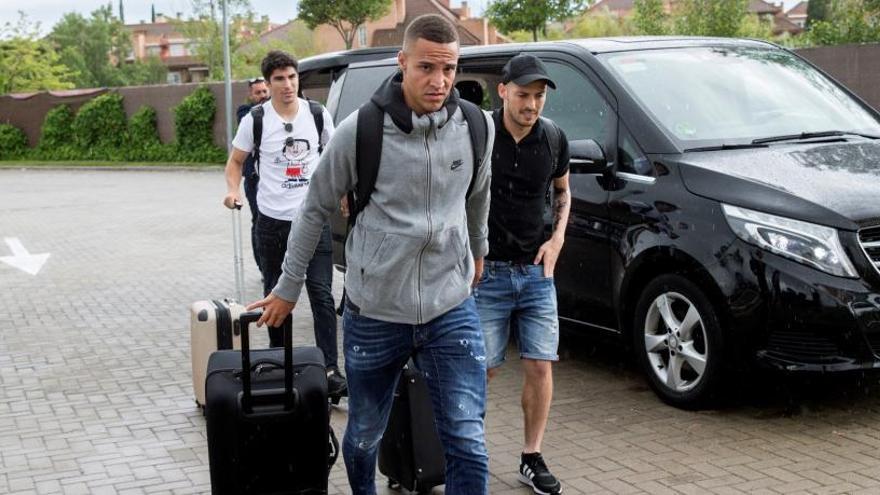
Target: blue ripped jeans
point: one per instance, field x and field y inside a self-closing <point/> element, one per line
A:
<point x="450" y="352"/>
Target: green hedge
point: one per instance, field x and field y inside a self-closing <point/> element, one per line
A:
<point x="57" y="127"/>
<point x="100" y="131"/>
<point x="194" y="128"/>
<point x="100" y="128"/>
<point x="144" y="142"/>
<point x="13" y="142"/>
<point x="56" y="136"/>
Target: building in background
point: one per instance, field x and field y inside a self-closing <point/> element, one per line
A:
<point x="162" y="38"/>
<point x="798" y="14"/>
<point x="388" y="31"/>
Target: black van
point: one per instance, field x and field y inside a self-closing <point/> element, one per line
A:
<point x="726" y="202"/>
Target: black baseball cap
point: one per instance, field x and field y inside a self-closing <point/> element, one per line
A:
<point x="524" y="69"/>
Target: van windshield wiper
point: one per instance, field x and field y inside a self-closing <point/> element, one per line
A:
<point x="811" y="135"/>
<point x="722" y="147"/>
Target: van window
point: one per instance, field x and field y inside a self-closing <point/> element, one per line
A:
<point x="360" y="84"/>
<point x="577" y="106"/>
<point x="632" y="160"/>
<point x="334" y="94"/>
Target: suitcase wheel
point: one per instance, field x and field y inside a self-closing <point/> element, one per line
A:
<point x="334" y="399"/>
<point x="393" y="484"/>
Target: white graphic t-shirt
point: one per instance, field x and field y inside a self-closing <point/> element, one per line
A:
<point x="287" y="159"/>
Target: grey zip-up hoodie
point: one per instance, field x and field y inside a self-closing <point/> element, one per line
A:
<point x="411" y="253"/>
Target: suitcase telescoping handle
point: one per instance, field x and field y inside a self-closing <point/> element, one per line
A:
<point x="237" y="257"/>
<point x="247" y="398"/>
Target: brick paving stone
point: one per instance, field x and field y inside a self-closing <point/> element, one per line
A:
<point x="95" y="372"/>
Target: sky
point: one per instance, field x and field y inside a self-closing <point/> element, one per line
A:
<point x="48" y="12"/>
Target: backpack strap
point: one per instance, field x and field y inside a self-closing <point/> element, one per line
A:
<point x="554" y="138"/>
<point x="368" y="152"/>
<point x="257" y="113"/>
<point x="318" y="115"/>
<point x="554" y="141"/>
<point x="478" y="130"/>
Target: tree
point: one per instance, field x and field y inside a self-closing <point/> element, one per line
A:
<point x="759" y="27"/>
<point x="710" y="17"/>
<point x="649" y="17"/>
<point x="95" y="47"/>
<point x="299" y="42"/>
<point x="530" y="15"/>
<point x="148" y="71"/>
<point x="601" y="24"/>
<point x="817" y="10"/>
<point x="346" y="16"/>
<point x="206" y="31"/>
<point x="28" y="63"/>
<point x="848" y="21"/>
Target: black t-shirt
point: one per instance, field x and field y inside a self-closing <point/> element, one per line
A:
<point x="521" y="175"/>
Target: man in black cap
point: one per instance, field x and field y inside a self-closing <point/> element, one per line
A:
<point x="516" y="291"/>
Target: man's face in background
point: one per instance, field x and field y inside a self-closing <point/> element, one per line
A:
<point x="258" y="92"/>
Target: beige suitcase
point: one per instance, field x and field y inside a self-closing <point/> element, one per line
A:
<point x="214" y="324"/>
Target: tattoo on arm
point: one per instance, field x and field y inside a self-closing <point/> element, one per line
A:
<point x="559" y="206"/>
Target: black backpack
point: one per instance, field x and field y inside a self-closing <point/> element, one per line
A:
<point x="257" y="112"/>
<point x="370" y="121"/>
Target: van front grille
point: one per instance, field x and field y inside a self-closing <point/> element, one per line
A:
<point x="804" y="345"/>
<point x="870" y="240"/>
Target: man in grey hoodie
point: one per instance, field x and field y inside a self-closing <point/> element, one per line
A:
<point x="413" y="256"/>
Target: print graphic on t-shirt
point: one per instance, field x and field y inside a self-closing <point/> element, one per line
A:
<point x="296" y="172"/>
<point x="296" y="149"/>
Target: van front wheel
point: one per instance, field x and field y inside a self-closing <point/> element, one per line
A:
<point x="678" y="339"/>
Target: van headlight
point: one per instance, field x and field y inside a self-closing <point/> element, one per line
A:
<point x="814" y="245"/>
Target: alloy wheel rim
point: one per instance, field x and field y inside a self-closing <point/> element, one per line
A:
<point x="675" y="342"/>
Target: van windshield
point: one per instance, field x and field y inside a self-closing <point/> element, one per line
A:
<point x="360" y="84"/>
<point x="733" y="95"/>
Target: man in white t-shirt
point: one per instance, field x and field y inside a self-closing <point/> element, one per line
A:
<point x="287" y="155"/>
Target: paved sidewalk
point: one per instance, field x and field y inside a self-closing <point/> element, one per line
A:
<point x="95" y="393"/>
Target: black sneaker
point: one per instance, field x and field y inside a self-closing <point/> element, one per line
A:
<point x="533" y="472"/>
<point x="336" y="384"/>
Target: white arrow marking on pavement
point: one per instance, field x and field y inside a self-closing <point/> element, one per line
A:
<point x="22" y="259"/>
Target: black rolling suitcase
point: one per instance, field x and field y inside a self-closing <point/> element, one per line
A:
<point x="268" y="429"/>
<point x="410" y="453"/>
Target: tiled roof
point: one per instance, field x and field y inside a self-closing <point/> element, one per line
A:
<point x="612" y="5"/>
<point x="154" y="28"/>
<point x="762" y="7"/>
<point x="799" y="10"/>
<point x="782" y="24"/>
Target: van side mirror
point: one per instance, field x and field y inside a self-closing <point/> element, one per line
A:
<point x="586" y="157"/>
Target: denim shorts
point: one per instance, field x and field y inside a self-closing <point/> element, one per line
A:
<point x="517" y="299"/>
